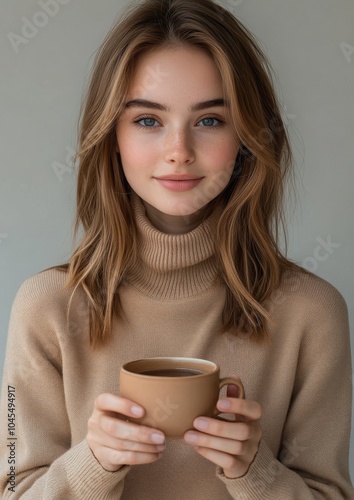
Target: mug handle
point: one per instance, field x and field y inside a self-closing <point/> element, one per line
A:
<point x="233" y="381"/>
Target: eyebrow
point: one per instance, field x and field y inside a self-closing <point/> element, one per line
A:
<point x="198" y="106"/>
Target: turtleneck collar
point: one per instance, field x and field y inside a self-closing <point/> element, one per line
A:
<point x="173" y="266"/>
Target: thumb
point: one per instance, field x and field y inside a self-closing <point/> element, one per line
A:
<point x="232" y="391"/>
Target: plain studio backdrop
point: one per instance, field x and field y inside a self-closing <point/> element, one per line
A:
<point x="47" y="49"/>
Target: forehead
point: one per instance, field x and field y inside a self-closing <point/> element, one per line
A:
<point x="172" y="74"/>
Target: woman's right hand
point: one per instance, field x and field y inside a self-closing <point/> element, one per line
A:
<point x="116" y="442"/>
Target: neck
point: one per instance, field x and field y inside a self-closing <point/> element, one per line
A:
<point x="173" y="266"/>
<point x="173" y="224"/>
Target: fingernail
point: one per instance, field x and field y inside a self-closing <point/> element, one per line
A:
<point x="160" y="447"/>
<point x="201" y="423"/>
<point x="191" y="438"/>
<point x="157" y="438"/>
<point x="136" y="410"/>
<point x="224" y="404"/>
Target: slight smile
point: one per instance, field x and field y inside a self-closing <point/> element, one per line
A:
<point x="178" y="183"/>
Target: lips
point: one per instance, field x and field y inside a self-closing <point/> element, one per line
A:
<point x="180" y="177"/>
<point x="178" y="183"/>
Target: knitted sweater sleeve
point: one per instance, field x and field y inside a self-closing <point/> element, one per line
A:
<point x="313" y="458"/>
<point x="37" y="445"/>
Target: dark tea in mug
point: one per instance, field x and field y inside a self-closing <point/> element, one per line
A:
<point x="172" y="372"/>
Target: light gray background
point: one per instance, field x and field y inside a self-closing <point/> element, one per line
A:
<point x="309" y="43"/>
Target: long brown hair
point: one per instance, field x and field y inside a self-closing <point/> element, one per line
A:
<point x="250" y="262"/>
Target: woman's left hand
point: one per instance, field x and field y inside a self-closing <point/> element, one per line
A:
<point x="231" y="445"/>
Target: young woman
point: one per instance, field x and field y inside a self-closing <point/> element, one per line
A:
<point x="183" y="158"/>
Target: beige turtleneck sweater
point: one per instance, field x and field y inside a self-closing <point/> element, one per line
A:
<point x="303" y="381"/>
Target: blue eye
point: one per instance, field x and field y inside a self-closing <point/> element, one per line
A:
<point x="210" y="122"/>
<point x="145" y="118"/>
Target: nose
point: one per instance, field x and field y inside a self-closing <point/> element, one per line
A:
<point x="179" y="148"/>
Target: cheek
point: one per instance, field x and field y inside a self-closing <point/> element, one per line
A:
<point x="222" y="152"/>
<point x="220" y="180"/>
<point x="222" y="163"/>
<point x="221" y="167"/>
<point x="137" y="153"/>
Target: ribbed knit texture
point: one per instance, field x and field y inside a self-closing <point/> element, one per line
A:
<point x="173" y="266"/>
<point x="173" y="302"/>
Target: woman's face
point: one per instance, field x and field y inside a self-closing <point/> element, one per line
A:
<point x="177" y="154"/>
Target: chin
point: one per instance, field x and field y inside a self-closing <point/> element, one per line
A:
<point x="181" y="211"/>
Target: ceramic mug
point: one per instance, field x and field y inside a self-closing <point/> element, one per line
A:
<point x="173" y="391"/>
